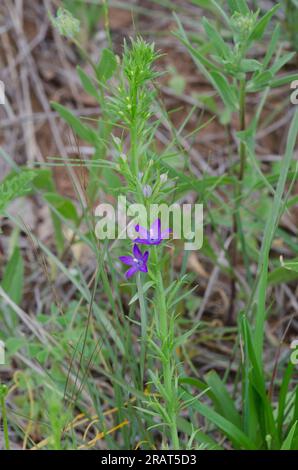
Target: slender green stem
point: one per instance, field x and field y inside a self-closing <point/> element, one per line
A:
<point x="3" y="392"/>
<point x="134" y="152"/>
<point x="133" y="130"/>
<point x="169" y="385"/>
<point x="237" y="224"/>
<point x="105" y="4"/>
<point x="242" y="128"/>
<point x="143" y="324"/>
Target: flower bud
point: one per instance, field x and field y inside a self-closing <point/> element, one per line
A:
<point x="163" y="178"/>
<point x="147" y="190"/>
<point x="66" y="24"/>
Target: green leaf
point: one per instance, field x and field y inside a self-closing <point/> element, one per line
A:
<point x="189" y="183"/>
<point x="238" y="5"/>
<point x="107" y="65"/>
<point x="283" y="80"/>
<point x="283" y="396"/>
<point x="222" y="399"/>
<point x="272" y="46"/>
<point x="88" y="84"/>
<point x="199" y="384"/>
<point x="13" y="345"/>
<point x="63" y="205"/>
<point x="261" y="25"/>
<point x="111" y="180"/>
<point x="84" y="132"/>
<point x="281" y="275"/>
<point x="260" y="81"/>
<point x="225" y="90"/>
<point x="255" y="385"/>
<point x="287" y="444"/>
<point x="13" y="278"/>
<point x="15" y="185"/>
<point x="220" y="46"/>
<point x="278" y="64"/>
<point x="291" y="266"/>
<point x="250" y="65"/>
<point x="203" y="3"/>
<point x="187" y="428"/>
<point x="269" y="232"/>
<point x="228" y="428"/>
<point x="44" y="180"/>
<point x="146" y="286"/>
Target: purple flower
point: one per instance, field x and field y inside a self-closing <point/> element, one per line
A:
<point x="138" y="261"/>
<point x="154" y="236"/>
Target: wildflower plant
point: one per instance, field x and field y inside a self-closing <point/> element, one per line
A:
<point x="132" y="102"/>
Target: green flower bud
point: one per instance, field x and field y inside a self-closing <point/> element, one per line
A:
<point x="66" y="24"/>
<point x="243" y="25"/>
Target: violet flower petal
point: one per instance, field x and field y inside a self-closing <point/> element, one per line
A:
<point x="137" y="252"/>
<point x="143" y="268"/>
<point x="142" y="231"/>
<point x="133" y="270"/>
<point x="155" y="229"/>
<point x="142" y="241"/>
<point x="127" y="260"/>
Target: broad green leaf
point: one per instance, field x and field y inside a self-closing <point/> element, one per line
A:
<point x="13" y="278"/>
<point x="146" y="286"/>
<point x="283" y="396"/>
<point x="83" y="131"/>
<point x="198" y="435"/>
<point x="63" y="205"/>
<point x="225" y="89"/>
<point x="88" y="84"/>
<point x="14" y="186"/>
<point x="107" y="65"/>
<point x="272" y="47"/>
<point x="222" y="399"/>
<point x="261" y="25"/>
<point x="238" y="5"/>
<point x="199" y="384"/>
<point x="283" y="80"/>
<point x="291" y="266"/>
<point x="13" y="345"/>
<point x="279" y="63"/>
<point x="203" y="3"/>
<point x="269" y="232"/>
<point x="287" y="444"/>
<point x="281" y="275"/>
<point x="259" y="81"/>
<point x="250" y="65"/>
<point x="220" y="46"/>
<point x="44" y="180"/>
<point x="256" y="382"/>
<point x="226" y="426"/>
<point x="188" y="182"/>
